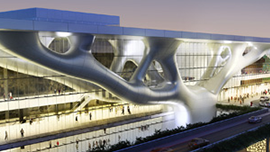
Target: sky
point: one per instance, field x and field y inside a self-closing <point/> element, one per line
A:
<point x="233" y="17"/>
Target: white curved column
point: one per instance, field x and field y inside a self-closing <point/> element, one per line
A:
<point x="235" y="62"/>
<point x="134" y="51"/>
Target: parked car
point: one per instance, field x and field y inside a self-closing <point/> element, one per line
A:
<point x="198" y="142"/>
<point x="264" y="98"/>
<point x="255" y="119"/>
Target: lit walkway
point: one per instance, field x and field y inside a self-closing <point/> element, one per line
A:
<point x="47" y="124"/>
<point x="119" y="128"/>
<point x="246" y="101"/>
<point x="37" y="101"/>
<point x="121" y="131"/>
<point x="52" y="99"/>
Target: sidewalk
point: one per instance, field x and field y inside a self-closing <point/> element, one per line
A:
<point x="66" y="121"/>
<point x="87" y="127"/>
<point x="246" y="101"/>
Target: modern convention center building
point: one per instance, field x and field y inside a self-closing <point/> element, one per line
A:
<point x="71" y="79"/>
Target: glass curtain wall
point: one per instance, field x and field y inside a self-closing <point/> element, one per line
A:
<point x="36" y="101"/>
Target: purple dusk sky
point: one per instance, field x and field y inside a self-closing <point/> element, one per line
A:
<point x="236" y="17"/>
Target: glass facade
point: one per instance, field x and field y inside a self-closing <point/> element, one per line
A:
<point x="38" y="102"/>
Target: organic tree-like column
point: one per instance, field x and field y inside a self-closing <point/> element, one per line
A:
<point x="131" y="50"/>
<point x="191" y="103"/>
<point x="236" y="60"/>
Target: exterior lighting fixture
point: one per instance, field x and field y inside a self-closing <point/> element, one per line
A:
<point x="249" y="44"/>
<point x="63" y="34"/>
<point x="227" y="42"/>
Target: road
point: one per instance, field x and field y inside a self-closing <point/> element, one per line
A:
<point x="236" y="128"/>
<point x="213" y="132"/>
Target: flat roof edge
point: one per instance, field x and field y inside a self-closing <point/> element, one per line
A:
<point x="15" y="24"/>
